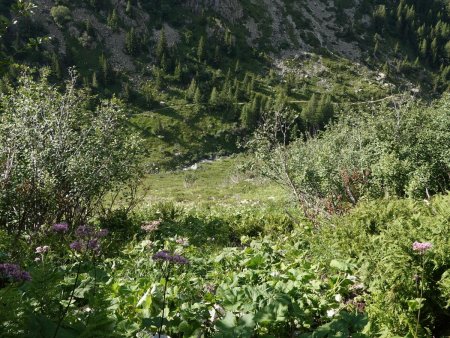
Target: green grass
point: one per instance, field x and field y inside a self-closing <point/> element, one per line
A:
<point x="213" y="184"/>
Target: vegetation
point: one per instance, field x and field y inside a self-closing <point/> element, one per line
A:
<point x="191" y="179"/>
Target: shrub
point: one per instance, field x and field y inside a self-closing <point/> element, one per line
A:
<point x="58" y="158"/>
<point x="398" y="280"/>
<point x="388" y="152"/>
<point x="61" y="14"/>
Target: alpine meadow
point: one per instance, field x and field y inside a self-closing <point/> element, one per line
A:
<point x="225" y="168"/>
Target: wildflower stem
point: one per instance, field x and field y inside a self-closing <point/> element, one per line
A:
<point x="166" y="280"/>
<point x="66" y="310"/>
<point x="421" y="295"/>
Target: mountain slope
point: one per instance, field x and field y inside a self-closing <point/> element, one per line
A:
<point x="198" y="74"/>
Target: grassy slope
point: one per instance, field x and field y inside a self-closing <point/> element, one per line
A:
<point x="213" y="184"/>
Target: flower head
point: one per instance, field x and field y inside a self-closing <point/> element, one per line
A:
<point x="163" y="255"/>
<point x="84" y="231"/>
<point x="151" y="226"/>
<point x="14" y="273"/>
<point x="60" y="227"/>
<point x="422" y="247"/>
<point x="101" y="233"/>
<point x="184" y="241"/>
<point x="178" y="259"/>
<point x="93" y="245"/>
<point x="166" y="256"/>
<point x="76" y="246"/>
<point x="42" y="249"/>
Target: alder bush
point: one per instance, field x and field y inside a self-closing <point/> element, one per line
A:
<point x="58" y="156"/>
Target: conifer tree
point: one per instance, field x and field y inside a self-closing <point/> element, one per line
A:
<point x="94" y="80"/>
<point x="197" y="96"/>
<point x="214" y="97"/>
<point x="56" y="67"/>
<point x="113" y="20"/>
<point x="104" y="68"/>
<point x="190" y="93"/>
<point x="161" y="47"/>
<point x="177" y="72"/>
<point x="131" y="42"/>
<point x="309" y="113"/>
<point x="200" y="49"/>
<point x="128" y="8"/>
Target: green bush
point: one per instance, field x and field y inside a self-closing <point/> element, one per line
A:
<point x="58" y="157"/>
<point x="364" y="154"/>
<point x="378" y="238"/>
<point x="61" y="14"/>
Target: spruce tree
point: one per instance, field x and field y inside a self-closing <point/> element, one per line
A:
<point x="113" y="20"/>
<point x="161" y="47"/>
<point x="128" y="8"/>
<point x="94" y="80"/>
<point x="214" y="97"/>
<point x="197" y="96"/>
<point x="177" y="72"/>
<point x="190" y="93"/>
<point x="200" y="49"/>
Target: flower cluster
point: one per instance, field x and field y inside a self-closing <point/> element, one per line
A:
<point x="60" y="227"/>
<point x="166" y="256"/>
<point x="42" y="249"/>
<point x="13" y="273"/>
<point x="88" y="239"/>
<point x="184" y="241"/>
<point x="151" y="226"/>
<point x="422" y="247"/>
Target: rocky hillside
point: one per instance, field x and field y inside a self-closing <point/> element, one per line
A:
<point x="199" y="74"/>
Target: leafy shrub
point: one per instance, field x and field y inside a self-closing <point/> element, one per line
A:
<point x="388" y="152"/>
<point x="61" y="14"/>
<point x="378" y="237"/>
<point x="58" y="157"/>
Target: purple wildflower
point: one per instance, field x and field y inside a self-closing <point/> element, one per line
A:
<point x="76" y="246"/>
<point x="422" y="247"/>
<point x="60" y="227"/>
<point x="93" y="244"/>
<point x="101" y="233"/>
<point x="14" y="273"/>
<point x="83" y="231"/>
<point x="165" y="256"/>
<point x="178" y="259"/>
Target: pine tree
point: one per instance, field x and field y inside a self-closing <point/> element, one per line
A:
<point x="201" y="49"/>
<point x="104" y="68"/>
<point x="237" y="67"/>
<point x="56" y="67"/>
<point x="214" y="97"/>
<point x="128" y="8"/>
<point x="94" y="80"/>
<point x="434" y="50"/>
<point x="177" y="72"/>
<point x="309" y="113"/>
<point x="113" y="20"/>
<point x="161" y="47"/>
<point x="130" y="42"/>
<point x="197" y="96"/>
<point x="159" y="79"/>
<point x="325" y="110"/>
<point x="190" y="93"/>
<point x="424" y="49"/>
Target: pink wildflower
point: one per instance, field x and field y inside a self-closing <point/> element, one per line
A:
<point x="151" y="226"/>
<point x="422" y="247"/>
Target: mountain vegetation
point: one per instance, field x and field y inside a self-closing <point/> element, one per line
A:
<point x="229" y="169"/>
